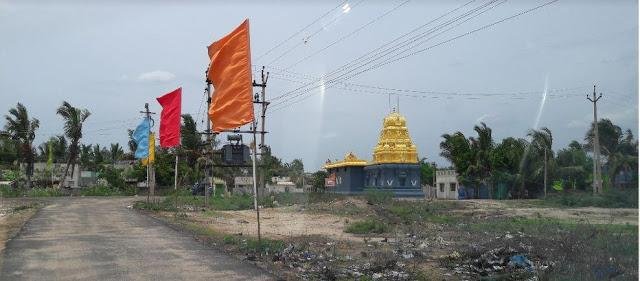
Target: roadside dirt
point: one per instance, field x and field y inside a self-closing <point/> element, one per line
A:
<point x="283" y="222"/>
<point x="492" y="208"/>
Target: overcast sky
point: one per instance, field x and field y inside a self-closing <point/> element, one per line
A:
<point x="112" y="57"/>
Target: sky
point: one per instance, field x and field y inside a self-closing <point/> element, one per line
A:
<point x="112" y="57"/>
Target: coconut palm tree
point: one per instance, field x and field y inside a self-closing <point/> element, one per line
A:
<point x="23" y="130"/>
<point x="542" y="140"/>
<point x="115" y="152"/>
<point x="73" y="120"/>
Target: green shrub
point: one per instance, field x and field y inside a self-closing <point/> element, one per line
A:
<point x="100" y="190"/>
<point x="366" y="227"/>
<point x="376" y="197"/>
<point x="611" y="198"/>
<point x="8" y="191"/>
<point x="44" y="192"/>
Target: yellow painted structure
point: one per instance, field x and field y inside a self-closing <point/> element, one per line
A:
<point x="395" y="144"/>
<point x="349" y="160"/>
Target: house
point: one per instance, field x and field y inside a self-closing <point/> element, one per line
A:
<point x="447" y="185"/>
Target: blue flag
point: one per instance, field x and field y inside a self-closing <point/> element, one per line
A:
<point x="141" y="137"/>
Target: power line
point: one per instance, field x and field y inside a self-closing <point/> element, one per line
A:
<point x="350" y="34"/>
<point x="376" y="51"/>
<point x="426" y="49"/>
<point x="306" y="39"/>
<point x="301" y="30"/>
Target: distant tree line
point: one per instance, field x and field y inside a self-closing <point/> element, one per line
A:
<point x="19" y="132"/>
<point x="524" y="166"/>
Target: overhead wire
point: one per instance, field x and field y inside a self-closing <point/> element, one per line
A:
<point x="342" y="3"/>
<point x="387" y="46"/>
<point x="344" y="37"/>
<point x="430" y="47"/>
<point x="306" y="39"/>
<point x="468" y="15"/>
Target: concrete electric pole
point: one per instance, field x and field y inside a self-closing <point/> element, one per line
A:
<point x="597" y="182"/>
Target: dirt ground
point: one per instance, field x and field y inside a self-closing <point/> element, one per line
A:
<point x="295" y="221"/>
<point x="494" y="208"/>
<point x="281" y="223"/>
<point x="12" y="219"/>
<point x="435" y="244"/>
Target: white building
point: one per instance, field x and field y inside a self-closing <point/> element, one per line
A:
<point x="447" y="184"/>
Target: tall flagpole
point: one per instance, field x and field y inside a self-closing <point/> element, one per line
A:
<point x="255" y="184"/>
<point x="175" y="180"/>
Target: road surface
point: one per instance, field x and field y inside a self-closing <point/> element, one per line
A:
<point x="101" y="239"/>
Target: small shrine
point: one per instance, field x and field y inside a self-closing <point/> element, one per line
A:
<point x="394" y="166"/>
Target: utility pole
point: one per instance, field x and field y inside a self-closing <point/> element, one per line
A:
<point x="209" y="170"/>
<point x="597" y="182"/>
<point x="264" y="103"/>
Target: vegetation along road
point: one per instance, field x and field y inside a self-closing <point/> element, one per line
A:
<point x="102" y="239"/>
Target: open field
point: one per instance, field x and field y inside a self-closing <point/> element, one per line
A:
<point x="353" y="238"/>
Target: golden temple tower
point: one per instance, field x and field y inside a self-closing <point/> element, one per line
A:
<point x="395" y="144"/>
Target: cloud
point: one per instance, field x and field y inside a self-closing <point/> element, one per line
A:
<point x="156" y="76"/>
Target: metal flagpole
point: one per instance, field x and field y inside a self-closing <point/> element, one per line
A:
<point x="255" y="185"/>
<point x="175" y="180"/>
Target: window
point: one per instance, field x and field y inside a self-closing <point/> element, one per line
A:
<point x="441" y="187"/>
<point x="452" y="186"/>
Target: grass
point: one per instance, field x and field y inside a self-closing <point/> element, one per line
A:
<point x="105" y="191"/>
<point x="411" y="212"/>
<point x="611" y="198"/>
<point x="367" y="226"/>
<point x="377" y="197"/>
<point x="543" y="226"/>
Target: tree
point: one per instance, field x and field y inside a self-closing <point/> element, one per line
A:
<point x="295" y="170"/>
<point x="541" y="141"/>
<point x="86" y="157"/>
<point x="619" y="149"/>
<point x="23" y="130"/>
<point x="427" y="171"/>
<point x="190" y="139"/>
<point x="317" y="180"/>
<point x="271" y="164"/>
<point x="573" y="166"/>
<point x="73" y="120"/>
<point x="470" y="157"/>
<point x="59" y="149"/>
<point x="98" y="155"/>
<point x="8" y="150"/>
<point x="610" y="136"/>
<point x="115" y="152"/>
<point x="132" y="143"/>
<point x="507" y="162"/>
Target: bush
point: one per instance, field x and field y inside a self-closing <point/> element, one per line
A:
<point x="611" y="198"/>
<point x="366" y="227"/>
<point x="8" y="191"/>
<point x="100" y="190"/>
<point x="376" y="197"/>
<point x="44" y="192"/>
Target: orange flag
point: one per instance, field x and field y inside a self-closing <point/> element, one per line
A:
<point x="230" y="73"/>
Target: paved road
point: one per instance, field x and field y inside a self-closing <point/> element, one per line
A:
<point x="100" y="239"/>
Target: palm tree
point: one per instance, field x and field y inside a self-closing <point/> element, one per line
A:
<point x="23" y="130"/>
<point x="73" y="121"/>
<point x="115" y="152"/>
<point x="542" y="140"/>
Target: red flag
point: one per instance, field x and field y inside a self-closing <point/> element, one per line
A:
<point x="170" y="118"/>
<point x="230" y="73"/>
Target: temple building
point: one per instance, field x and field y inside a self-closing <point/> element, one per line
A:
<point x="394" y="166"/>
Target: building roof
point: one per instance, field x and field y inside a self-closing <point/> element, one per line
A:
<point x="349" y="160"/>
<point x="395" y="144"/>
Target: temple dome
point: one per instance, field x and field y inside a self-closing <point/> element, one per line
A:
<point x="395" y="144"/>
